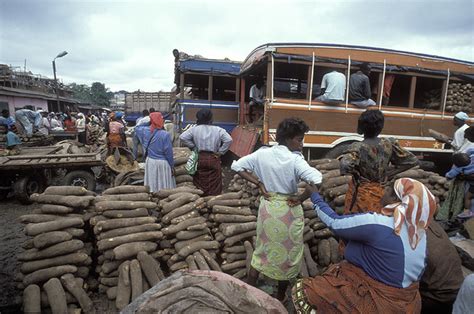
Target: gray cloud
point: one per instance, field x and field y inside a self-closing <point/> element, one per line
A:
<point x="127" y="44"/>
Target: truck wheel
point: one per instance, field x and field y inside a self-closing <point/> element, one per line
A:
<point x="25" y="186"/>
<point x="337" y="151"/>
<point x="80" y="178"/>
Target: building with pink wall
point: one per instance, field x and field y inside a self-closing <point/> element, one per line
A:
<point x="13" y="103"/>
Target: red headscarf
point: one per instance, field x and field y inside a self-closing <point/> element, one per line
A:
<point x="416" y="208"/>
<point x="156" y="121"/>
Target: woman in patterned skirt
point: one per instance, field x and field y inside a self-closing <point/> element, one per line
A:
<point x="276" y="171"/>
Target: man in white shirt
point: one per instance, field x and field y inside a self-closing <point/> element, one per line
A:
<point x="257" y="94"/>
<point x="333" y="88"/>
<point x="459" y="143"/>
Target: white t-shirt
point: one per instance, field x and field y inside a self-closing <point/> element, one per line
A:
<point x="459" y="143"/>
<point x="335" y="84"/>
<point x="256" y="93"/>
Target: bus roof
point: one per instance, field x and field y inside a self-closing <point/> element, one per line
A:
<point x="210" y="66"/>
<point x="359" y="53"/>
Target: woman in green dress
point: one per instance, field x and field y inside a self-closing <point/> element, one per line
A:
<point x="276" y="171"/>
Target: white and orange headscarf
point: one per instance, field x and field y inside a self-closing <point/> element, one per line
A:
<point x="416" y="209"/>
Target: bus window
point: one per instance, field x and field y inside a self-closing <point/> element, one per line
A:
<point x="396" y="90"/>
<point x="199" y="85"/>
<point x="223" y="88"/>
<point x="290" y="80"/>
<point x="428" y="93"/>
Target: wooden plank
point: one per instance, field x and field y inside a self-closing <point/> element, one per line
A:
<point x="20" y="157"/>
<point x="411" y="99"/>
<point x="308" y="82"/>
<point x="237" y="89"/>
<point x="210" y="88"/>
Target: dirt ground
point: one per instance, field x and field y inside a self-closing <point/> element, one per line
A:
<point x="11" y="237"/>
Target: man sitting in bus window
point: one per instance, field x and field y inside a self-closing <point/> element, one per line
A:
<point x="359" y="87"/>
<point x="333" y="87"/>
<point x="257" y="94"/>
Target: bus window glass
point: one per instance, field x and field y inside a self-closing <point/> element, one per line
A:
<point x="290" y="80"/>
<point x="223" y="88"/>
<point x="198" y="84"/>
<point x="396" y="90"/>
<point x="428" y="93"/>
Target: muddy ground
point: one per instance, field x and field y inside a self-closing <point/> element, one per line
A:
<point x="11" y="237"/>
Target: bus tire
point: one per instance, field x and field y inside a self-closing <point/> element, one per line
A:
<point x="25" y="186"/>
<point x="337" y="151"/>
<point x="80" y="178"/>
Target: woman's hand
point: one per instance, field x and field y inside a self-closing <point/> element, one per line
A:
<point x="263" y="191"/>
<point x="293" y="201"/>
<point x="173" y="172"/>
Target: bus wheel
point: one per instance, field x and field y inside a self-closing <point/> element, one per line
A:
<point x="25" y="186"/>
<point x="337" y="151"/>
<point x="80" y="178"/>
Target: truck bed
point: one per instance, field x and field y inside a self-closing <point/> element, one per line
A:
<point x="45" y="158"/>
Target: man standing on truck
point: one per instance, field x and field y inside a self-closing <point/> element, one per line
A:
<point x="459" y="143"/>
<point x="333" y="87"/>
<point x="359" y="87"/>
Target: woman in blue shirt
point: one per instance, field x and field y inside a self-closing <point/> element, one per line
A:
<point x="158" y="151"/>
<point x="385" y="256"/>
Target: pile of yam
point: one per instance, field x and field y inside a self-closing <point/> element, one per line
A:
<point x="126" y="239"/>
<point x="459" y="97"/>
<point x="250" y="191"/>
<point x="56" y="262"/>
<point x="188" y="242"/>
<point x="335" y="185"/>
<point x="181" y="156"/>
<point x="235" y="226"/>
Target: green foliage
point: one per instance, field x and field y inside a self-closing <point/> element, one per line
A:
<point x="99" y="94"/>
<point x="95" y="94"/>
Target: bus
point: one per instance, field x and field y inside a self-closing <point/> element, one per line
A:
<point x="208" y="83"/>
<point x="427" y="91"/>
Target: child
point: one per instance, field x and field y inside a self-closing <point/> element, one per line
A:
<point x="464" y="164"/>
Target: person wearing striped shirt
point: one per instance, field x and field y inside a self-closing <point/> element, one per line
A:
<point x="211" y="142"/>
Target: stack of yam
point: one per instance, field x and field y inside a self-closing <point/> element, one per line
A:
<point x="250" y="191"/>
<point x="57" y="257"/>
<point x="126" y="233"/>
<point x="437" y="184"/>
<point x="235" y="227"/>
<point x="188" y="242"/>
<point x="181" y="156"/>
<point x="459" y="97"/>
<point x="334" y="185"/>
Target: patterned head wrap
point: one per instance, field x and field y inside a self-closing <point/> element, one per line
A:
<point x="416" y="209"/>
<point x="156" y="121"/>
<point x="112" y="116"/>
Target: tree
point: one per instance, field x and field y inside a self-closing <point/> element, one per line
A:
<point x="81" y="92"/>
<point x="99" y="95"/>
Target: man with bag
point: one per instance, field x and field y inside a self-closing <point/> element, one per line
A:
<point x="210" y="142"/>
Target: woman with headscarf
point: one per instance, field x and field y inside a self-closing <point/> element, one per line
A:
<point x="369" y="164"/>
<point x="158" y="151"/>
<point x="115" y="133"/>
<point x="211" y="142"/>
<point x="385" y="256"/>
<point x="280" y="224"/>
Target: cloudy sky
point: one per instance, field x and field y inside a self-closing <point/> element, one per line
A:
<point x="127" y="44"/>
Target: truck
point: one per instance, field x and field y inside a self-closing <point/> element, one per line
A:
<point x="138" y="101"/>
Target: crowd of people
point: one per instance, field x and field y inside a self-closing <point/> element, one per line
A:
<point x="27" y="123"/>
<point x="397" y="258"/>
